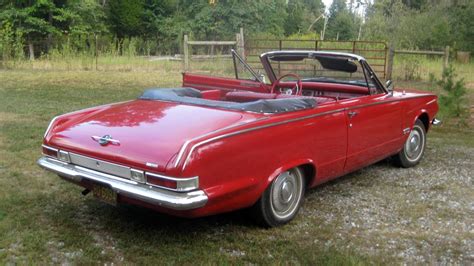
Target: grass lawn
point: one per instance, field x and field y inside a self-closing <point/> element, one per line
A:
<point x="380" y="214"/>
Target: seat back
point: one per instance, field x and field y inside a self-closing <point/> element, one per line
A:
<point x="211" y="94"/>
<point x="248" y="96"/>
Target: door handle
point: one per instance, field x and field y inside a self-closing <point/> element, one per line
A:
<point x="351" y="114"/>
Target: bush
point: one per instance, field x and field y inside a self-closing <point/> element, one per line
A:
<point x="452" y="101"/>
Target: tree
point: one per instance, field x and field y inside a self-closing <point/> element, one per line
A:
<point x="224" y="19"/>
<point x="341" y="23"/>
<point x="35" y="20"/>
<point x="125" y="17"/>
<point x="294" y="21"/>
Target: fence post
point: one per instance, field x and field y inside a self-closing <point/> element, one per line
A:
<point x="239" y="45"/>
<point x="186" y="53"/>
<point x="446" y="58"/>
<point x="391" y="55"/>
<point x="96" y="51"/>
<point x="242" y="43"/>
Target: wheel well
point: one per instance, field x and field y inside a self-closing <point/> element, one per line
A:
<point x="426" y="120"/>
<point x="309" y="172"/>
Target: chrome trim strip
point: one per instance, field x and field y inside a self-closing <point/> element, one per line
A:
<point x="386" y="101"/>
<point x="180" y="155"/>
<point x="181" y="152"/>
<point x="50" y="125"/>
<point x="186" y="143"/>
<point x="49" y="148"/>
<point x="155" y="196"/>
<point x="256" y="128"/>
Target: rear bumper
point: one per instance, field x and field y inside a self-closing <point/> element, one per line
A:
<point x="156" y="196"/>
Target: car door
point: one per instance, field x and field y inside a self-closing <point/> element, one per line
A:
<point x="374" y="130"/>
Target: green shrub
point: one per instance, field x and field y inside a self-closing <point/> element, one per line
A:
<point x="452" y="98"/>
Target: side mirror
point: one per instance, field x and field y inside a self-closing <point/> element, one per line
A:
<point x="389" y="86"/>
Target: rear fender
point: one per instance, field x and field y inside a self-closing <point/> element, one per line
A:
<point x="286" y="167"/>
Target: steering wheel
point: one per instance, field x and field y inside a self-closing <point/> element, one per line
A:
<point x="296" y="90"/>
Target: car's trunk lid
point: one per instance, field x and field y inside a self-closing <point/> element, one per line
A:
<point x="148" y="131"/>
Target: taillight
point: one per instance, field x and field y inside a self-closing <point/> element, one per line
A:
<point x="51" y="152"/>
<point x="160" y="181"/>
<point x="177" y="184"/>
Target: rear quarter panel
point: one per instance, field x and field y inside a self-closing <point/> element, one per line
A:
<point x="235" y="171"/>
<point x="415" y="104"/>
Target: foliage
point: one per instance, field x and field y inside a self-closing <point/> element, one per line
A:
<point x="411" y="69"/>
<point x="343" y="24"/>
<point x="159" y="25"/>
<point x="452" y="100"/>
<point x="422" y="24"/>
<point x="125" y="17"/>
<point x="11" y="42"/>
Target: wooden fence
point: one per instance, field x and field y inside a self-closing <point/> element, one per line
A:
<point x="392" y="52"/>
<point x="238" y="44"/>
<point x="379" y="55"/>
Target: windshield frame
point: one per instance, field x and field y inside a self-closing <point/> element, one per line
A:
<point x="369" y="74"/>
<point x="235" y="57"/>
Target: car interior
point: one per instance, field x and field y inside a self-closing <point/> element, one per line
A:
<point x="326" y="78"/>
<point x="300" y="80"/>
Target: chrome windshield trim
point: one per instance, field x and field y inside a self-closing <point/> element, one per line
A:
<point x="350" y="55"/>
<point x="161" y="197"/>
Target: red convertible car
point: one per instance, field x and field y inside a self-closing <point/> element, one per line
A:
<point x="255" y="141"/>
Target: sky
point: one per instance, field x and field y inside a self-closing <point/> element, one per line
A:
<point x="327" y="3"/>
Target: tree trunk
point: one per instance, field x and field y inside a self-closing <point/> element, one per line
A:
<point x="31" y="49"/>
<point x="50" y="35"/>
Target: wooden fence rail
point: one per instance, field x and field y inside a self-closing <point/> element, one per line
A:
<point x="392" y="53"/>
<point x="238" y="44"/>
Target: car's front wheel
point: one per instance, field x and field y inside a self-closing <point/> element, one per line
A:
<point x="281" y="201"/>
<point x="414" y="147"/>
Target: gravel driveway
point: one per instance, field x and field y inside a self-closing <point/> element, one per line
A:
<point x="423" y="214"/>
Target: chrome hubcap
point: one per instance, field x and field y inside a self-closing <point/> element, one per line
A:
<point x="414" y="145"/>
<point x="286" y="193"/>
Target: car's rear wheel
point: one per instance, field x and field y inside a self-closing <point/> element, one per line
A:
<point x="414" y="147"/>
<point x="281" y="201"/>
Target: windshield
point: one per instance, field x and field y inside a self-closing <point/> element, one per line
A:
<point x="244" y="71"/>
<point x="331" y="69"/>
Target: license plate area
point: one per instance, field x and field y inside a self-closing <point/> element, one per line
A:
<point x="104" y="193"/>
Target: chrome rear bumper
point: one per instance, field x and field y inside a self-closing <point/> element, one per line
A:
<point x="161" y="197"/>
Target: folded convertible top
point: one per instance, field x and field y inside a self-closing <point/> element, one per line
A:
<point x="193" y="96"/>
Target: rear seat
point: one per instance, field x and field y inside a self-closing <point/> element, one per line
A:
<point x="211" y="94"/>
